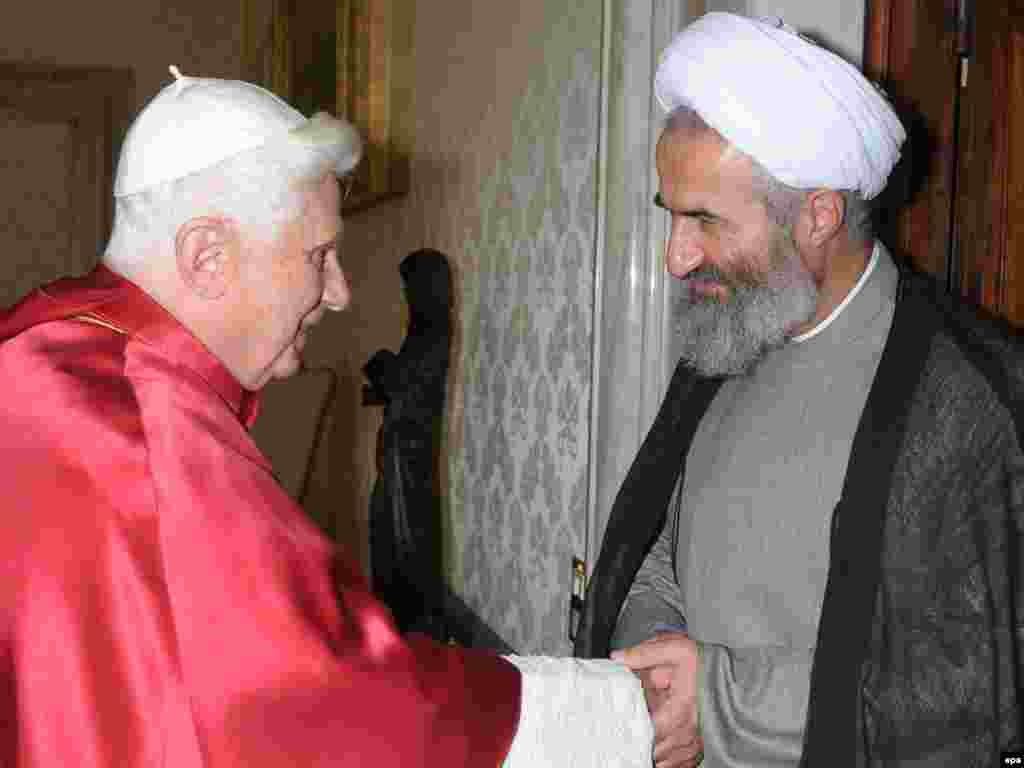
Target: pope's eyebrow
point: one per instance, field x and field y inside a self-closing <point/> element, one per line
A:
<point x="325" y="245"/>
<point x="317" y="255"/>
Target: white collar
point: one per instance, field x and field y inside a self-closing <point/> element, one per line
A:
<point x="843" y="304"/>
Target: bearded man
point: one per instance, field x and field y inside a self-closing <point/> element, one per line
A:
<point x="815" y="558"/>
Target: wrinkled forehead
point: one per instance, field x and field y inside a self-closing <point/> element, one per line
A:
<point x="692" y="152"/>
<point x="322" y="208"/>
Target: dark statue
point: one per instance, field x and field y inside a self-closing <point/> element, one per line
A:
<point x="405" y="510"/>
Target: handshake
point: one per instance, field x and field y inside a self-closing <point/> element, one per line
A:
<point x="637" y="708"/>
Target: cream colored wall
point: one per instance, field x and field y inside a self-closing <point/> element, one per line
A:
<point x="202" y="37"/>
<point x="146" y="39"/>
<point x="837" y="23"/>
<point x="840" y="25"/>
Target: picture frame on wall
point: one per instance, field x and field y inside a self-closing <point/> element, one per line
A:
<point x="351" y="58"/>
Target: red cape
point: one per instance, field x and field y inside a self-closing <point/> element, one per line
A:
<point x="163" y="601"/>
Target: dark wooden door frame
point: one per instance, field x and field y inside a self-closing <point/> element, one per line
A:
<point x="876" y="39"/>
<point x="959" y="65"/>
<point x="909" y="48"/>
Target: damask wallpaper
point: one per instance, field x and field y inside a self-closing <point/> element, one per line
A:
<point x="519" y="472"/>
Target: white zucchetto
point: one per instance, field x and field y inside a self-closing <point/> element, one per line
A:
<point x="196" y="123"/>
<point x="809" y="117"/>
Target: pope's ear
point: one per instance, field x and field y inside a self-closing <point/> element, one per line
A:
<point x="203" y="248"/>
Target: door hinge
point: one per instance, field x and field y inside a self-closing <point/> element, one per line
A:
<point x="577" y="595"/>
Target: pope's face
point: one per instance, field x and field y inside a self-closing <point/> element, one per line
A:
<point x="289" y="284"/>
<point x="746" y="287"/>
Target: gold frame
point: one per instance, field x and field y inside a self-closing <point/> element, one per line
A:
<point x="352" y="58"/>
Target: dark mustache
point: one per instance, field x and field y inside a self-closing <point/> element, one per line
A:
<point x="714" y="274"/>
<point x="739" y="280"/>
<point x="708" y="273"/>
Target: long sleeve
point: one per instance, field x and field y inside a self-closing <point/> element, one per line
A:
<point x="655" y="599"/>
<point x="163" y="600"/>
<point x="753" y="704"/>
<point x="585" y="713"/>
<point x="753" y="701"/>
<point x="278" y="673"/>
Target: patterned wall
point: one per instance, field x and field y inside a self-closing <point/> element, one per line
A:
<point x="519" y="474"/>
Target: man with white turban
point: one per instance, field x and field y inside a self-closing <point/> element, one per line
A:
<point x="815" y="557"/>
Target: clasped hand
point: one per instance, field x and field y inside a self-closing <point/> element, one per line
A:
<point x="667" y="667"/>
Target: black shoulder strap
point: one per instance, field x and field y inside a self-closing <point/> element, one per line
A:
<point x="847" y="616"/>
<point x="640" y="507"/>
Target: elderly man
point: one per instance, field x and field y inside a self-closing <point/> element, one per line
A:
<point x="163" y="601"/>
<point x="815" y="558"/>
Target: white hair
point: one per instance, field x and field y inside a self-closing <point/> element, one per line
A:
<point x="259" y="189"/>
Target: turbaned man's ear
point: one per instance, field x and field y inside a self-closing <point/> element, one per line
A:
<point x="204" y="249"/>
<point x="826" y="211"/>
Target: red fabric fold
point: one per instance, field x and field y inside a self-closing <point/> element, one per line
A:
<point x="163" y="601"/>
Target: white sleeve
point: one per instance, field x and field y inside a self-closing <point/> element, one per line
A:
<point x="580" y="713"/>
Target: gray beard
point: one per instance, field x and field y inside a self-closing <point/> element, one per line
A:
<point x="728" y="338"/>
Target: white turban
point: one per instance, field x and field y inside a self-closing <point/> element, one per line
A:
<point x="809" y="117"/>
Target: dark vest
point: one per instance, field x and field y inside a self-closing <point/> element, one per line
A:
<point x="936" y="348"/>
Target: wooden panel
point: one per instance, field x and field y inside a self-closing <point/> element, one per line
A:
<point x="42" y="160"/>
<point x="1014" y="264"/>
<point x="877" y="33"/>
<point x="78" y="115"/>
<point x="35" y="163"/>
<point x="911" y="50"/>
<point x="1012" y="267"/>
<point x="991" y="102"/>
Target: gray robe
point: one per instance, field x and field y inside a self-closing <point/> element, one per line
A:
<point x="919" y="650"/>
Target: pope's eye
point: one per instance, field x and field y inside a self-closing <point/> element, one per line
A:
<point x="318" y="258"/>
